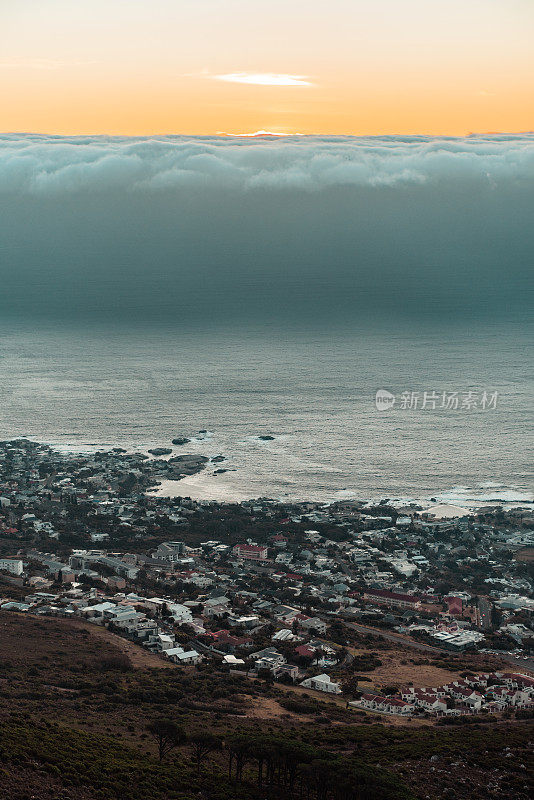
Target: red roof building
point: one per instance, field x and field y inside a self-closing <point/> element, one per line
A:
<point x="305" y="650"/>
<point x="392" y="598"/>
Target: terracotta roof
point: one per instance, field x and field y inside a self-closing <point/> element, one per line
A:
<point x="379" y="698"/>
<point x="305" y="650"/>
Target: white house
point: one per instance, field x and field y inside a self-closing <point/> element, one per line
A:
<point x="164" y="642"/>
<point x="180" y="656"/>
<point x="270" y="662"/>
<point x="97" y="610"/>
<point x="322" y="683"/>
<point x="284" y="635"/>
<point x="170" y="551"/>
<point x="232" y="661"/>
<point x="121" y="614"/>
<point x="427" y="699"/>
<point x="179" y="613"/>
<point x="314" y="623"/>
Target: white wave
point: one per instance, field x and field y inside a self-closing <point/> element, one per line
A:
<point x="498" y="492"/>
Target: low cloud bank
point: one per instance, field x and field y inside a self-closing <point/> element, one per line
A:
<point x="311" y="229"/>
<point x="48" y="164"/>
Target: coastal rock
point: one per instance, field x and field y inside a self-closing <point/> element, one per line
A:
<point x="187" y="465"/>
<point x="266" y="438"/>
<point x="181" y="440"/>
<point x="218" y="459"/>
<point x="160" y="451"/>
<point x="188" y="459"/>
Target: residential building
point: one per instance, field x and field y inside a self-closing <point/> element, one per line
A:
<point x="322" y="683"/>
<point x="252" y="552"/>
<point x="13" y="565"/>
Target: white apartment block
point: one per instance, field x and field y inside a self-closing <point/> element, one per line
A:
<point x="13" y="565"/>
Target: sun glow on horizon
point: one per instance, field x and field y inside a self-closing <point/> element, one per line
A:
<point x="258" y="134"/>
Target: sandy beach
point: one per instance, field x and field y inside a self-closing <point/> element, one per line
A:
<point x="203" y="486"/>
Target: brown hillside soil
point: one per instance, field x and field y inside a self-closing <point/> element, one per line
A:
<point x="48" y="635"/>
<point x="398" y="669"/>
<point x="139" y="657"/>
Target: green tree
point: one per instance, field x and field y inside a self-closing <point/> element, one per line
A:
<point x="203" y="743"/>
<point x="168" y="735"/>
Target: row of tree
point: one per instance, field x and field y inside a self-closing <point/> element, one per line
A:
<point x="169" y="736"/>
<point x="279" y="766"/>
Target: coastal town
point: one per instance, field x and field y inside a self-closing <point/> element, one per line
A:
<point x="315" y="596"/>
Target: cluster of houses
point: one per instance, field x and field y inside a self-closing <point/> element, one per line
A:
<point x="296" y="653"/>
<point x="223" y="614"/>
<point x="392" y="554"/>
<point x="271" y="661"/>
<point x="440" y="575"/>
<point x="488" y="692"/>
<point x="153" y="622"/>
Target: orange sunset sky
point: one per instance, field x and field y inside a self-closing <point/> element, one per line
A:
<point x="286" y="66"/>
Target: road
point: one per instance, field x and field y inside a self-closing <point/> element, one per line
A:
<point x="519" y="664"/>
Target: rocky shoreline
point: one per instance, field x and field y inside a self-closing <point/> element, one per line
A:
<point x="125" y="473"/>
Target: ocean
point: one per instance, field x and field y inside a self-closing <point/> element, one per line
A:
<point x="467" y="440"/>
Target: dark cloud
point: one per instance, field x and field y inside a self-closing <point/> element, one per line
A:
<point x="302" y="228"/>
